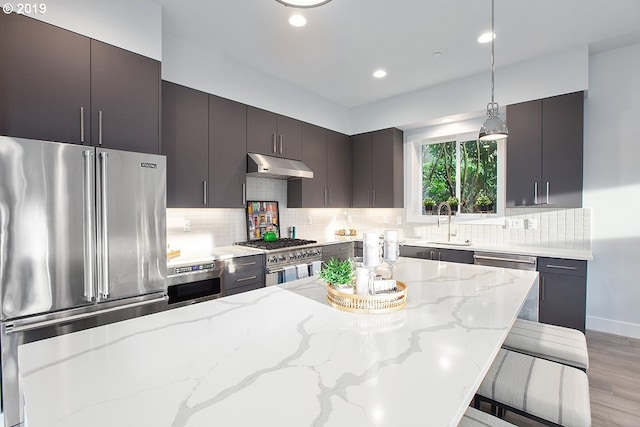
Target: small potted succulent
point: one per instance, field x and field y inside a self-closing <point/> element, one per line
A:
<point x="428" y="203"/>
<point x="339" y="274"/>
<point x="484" y="203"/>
<point x="453" y="202"/>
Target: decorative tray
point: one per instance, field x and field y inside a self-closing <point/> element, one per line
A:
<point x="368" y="304"/>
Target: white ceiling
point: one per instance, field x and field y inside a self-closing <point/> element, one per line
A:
<point x="344" y="41"/>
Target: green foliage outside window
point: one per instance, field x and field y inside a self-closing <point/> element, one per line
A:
<point x="478" y="172"/>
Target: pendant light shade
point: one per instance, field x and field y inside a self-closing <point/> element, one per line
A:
<point x="494" y="127"/>
<point x="303" y="4"/>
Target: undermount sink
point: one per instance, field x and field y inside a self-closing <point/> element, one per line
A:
<point x="444" y="242"/>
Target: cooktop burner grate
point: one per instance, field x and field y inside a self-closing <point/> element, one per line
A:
<point x="278" y="244"/>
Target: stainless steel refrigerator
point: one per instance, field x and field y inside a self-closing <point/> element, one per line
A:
<point x="82" y="243"/>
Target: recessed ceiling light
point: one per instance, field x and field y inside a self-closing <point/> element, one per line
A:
<point x="436" y="54"/>
<point x="378" y="74"/>
<point x="297" y="20"/>
<point x="486" y="37"/>
<point x="446" y="120"/>
<point x="303" y="3"/>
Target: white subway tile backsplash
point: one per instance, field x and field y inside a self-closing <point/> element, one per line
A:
<point x="210" y="228"/>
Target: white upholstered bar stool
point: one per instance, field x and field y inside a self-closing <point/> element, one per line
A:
<point x="563" y="345"/>
<point x="475" y="418"/>
<point x="548" y="392"/>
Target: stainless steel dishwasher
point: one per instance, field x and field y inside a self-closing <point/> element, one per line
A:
<point x="529" y="309"/>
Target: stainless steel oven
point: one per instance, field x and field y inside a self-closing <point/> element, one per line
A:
<point x="283" y="265"/>
<point x="194" y="282"/>
<point x="285" y="256"/>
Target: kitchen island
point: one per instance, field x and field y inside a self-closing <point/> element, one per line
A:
<point x="281" y="356"/>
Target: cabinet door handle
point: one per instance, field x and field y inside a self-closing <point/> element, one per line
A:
<point x="244" y="194"/>
<point x="369" y="198"/>
<point x="535" y="193"/>
<point x="439" y="256"/>
<point x="325" y="197"/>
<point x="273" y="138"/>
<point x="547" y="192"/>
<point x="542" y="290"/>
<point x="100" y="128"/>
<point x="561" y="267"/>
<point x="246" y="278"/>
<point x="329" y="197"/>
<point x="82" y="125"/>
<point x="431" y="254"/>
<point x="204" y="192"/>
<point x="374" y="197"/>
<point x="280" y="144"/>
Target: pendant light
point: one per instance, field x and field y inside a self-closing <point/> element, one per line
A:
<point x="303" y="4"/>
<point x="494" y="127"/>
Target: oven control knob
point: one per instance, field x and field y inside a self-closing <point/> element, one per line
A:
<point x="282" y="258"/>
<point x="273" y="259"/>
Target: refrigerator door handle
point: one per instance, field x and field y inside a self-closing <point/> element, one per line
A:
<point x="32" y="324"/>
<point x="88" y="229"/>
<point x="103" y="274"/>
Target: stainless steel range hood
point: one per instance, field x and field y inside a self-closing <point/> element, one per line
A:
<point x="275" y="167"/>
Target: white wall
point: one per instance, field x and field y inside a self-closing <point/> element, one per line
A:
<point x="563" y="72"/>
<point x="131" y="25"/>
<point x="612" y="190"/>
<point x="195" y="66"/>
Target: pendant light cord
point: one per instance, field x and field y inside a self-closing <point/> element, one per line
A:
<point x="493" y="36"/>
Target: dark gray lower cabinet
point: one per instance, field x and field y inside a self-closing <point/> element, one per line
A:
<point x="437" y="254"/>
<point x="243" y="274"/>
<point x="563" y="292"/>
<point x="339" y="251"/>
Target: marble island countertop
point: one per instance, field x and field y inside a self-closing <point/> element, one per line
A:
<point x="282" y="356"/>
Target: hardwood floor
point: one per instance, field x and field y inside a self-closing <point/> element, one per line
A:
<point x="614" y="382"/>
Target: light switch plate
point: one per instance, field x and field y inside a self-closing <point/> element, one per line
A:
<point x="532" y="224"/>
<point x="399" y="220"/>
<point x="187" y="225"/>
<point x="512" y="223"/>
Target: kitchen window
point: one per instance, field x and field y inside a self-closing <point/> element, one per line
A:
<point x="457" y="168"/>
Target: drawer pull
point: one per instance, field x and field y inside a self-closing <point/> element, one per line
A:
<point x="561" y="267"/>
<point x="246" y="264"/>
<point x="246" y="278"/>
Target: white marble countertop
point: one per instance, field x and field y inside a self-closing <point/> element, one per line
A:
<point x="282" y="356"/>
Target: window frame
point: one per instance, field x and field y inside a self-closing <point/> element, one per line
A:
<point x="413" y="171"/>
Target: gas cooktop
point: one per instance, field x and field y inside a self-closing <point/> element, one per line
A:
<point x="278" y="244"/>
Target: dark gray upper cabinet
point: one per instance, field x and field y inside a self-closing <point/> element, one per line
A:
<point x="272" y="134"/>
<point x="45" y="81"/>
<point x="328" y="155"/>
<point x="203" y="137"/>
<point x="377" y="168"/>
<point x="54" y="84"/>
<point x="227" y="153"/>
<point x="185" y="142"/>
<point x="563" y="292"/>
<point x="361" y="170"/>
<point x="125" y="99"/>
<point x="562" y="150"/>
<point x="311" y="193"/>
<point x="544" y="152"/>
<point x="338" y="170"/>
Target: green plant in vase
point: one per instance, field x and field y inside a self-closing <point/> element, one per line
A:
<point x="428" y="204"/>
<point x="484" y="202"/>
<point x="337" y="273"/>
<point x="453" y="202"/>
